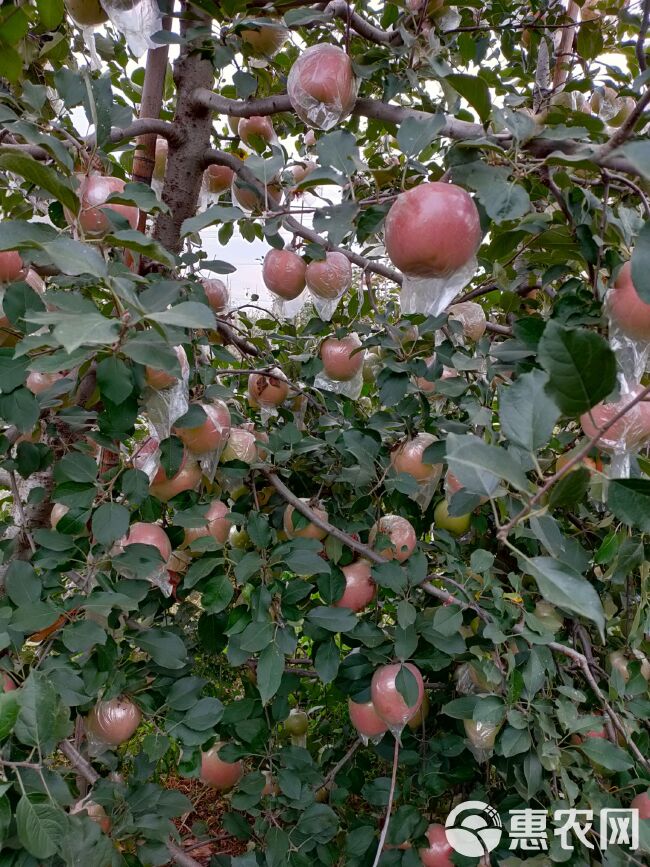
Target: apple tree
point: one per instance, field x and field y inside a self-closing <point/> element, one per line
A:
<point x="339" y="559"/>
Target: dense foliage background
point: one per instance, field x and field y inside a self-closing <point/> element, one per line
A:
<point x="537" y="111"/>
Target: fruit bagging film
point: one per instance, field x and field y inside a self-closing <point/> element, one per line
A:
<point x="136" y="20"/>
<point x="432" y="295"/>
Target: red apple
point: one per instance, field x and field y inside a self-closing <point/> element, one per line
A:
<point x="240" y="447"/>
<point x="310" y="138"/>
<point x="11" y="266"/>
<point x="217" y="179"/>
<point x="625" y="307"/>
<point x="93" y="192"/>
<point x="322" y="86"/>
<point x="471" y="316"/>
<point x="432" y="230"/>
<point x="632" y="429"/>
<point x="86" y="13"/>
<point x="311" y="531"/>
<point x="212" y="434"/>
<point x="262" y="127"/>
<point x="188" y="478"/>
<point x="388" y="701"/>
<point x="267" y="389"/>
<point x="217" y="773"/>
<point x="407" y="458"/>
<point x="329" y="278"/>
<point x="360" y="589"/>
<point x="217" y="525"/>
<point x="426" y="385"/>
<point x="8" y="683"/>
<point x="160" y="379"/>
<point x="149" y="534"/>
<point x="363" y="717"/>
<point x="114" y="721"/>
<point x="439" y="851"/>
<point x="250" y="200"/>
<point x="302" y="170"/>
<point x="284" y="273"/>
<point x="642" y="804"/>
<point x="401" y="534"/>
<point x="37" y="382"/>
<point x="217" y="294"/>
<point x="342" y="359"/>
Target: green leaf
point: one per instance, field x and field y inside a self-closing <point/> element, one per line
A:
<point x="270" y="669"/>
<point x="629" y="500"/>
<point x="480" y="467"/>
<point x="474" y="89"/>
<point x="527" y="413"/>
<point x="20" y="408"/>
<point x="338" y="150"/>
<point x="561" y="586"/>
<point x="407" y="685"/>
<point x="640" y="263"/>
<point x="22" y="585"/>
<point x="51" y="13"/>
<point x="76" y="467"/>
<point x="214" y="214"/>
<point x="204" y="715"/>
<point x="164" y="647"/>
<point x="140" y="195"/>
<point x="607" y="754"/>
<point x="415" y="133"/>
<point x="83" y="635"/>
<point x="41" y="827"/>
<point x="9" y="708"/>
<point x="327" y="661"/>
<point x="114" y="380"/>
<point x="131" y="239"/>
<point x="35" y="172"/>
<point x="638" y="153"/>
<point x="42" y="721"/>
<point x="187" y="314"/>
<point x="514" y="741"/>
<point x="570" y="489"/>
<point x="580" y="364"/>
<point x="147" y="347"/>
<point x="332" y="619"/>
<point x="11" y="64"/>
<point x="217" y="593"/>
<point x="73" y="330"/>
<point x="110" y="522"/>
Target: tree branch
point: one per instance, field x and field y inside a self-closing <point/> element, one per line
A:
<point x="145" y="126"/>
<point x="625" y="131"/>
<point x="643" y="32"/>
<point x="341" y="9"/>
<point x="502" y="534"/>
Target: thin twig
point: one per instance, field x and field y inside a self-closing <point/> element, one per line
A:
<point x="329" y="779"/>
<point x="391" y="795"/>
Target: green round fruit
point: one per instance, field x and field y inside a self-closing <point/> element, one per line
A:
<point x="444" y="521"/>
<point x="297" y="723"/>
<point x="239" y="539"/>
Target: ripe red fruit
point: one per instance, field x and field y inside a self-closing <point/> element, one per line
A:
<point x="217" y="294"/>
<point x="311" y="531"/>
<point x="11" y="266"/>
<point x="632" y="429"/>
<point x="37" y="382"/>
<point x="94" y="811"/>
<point x="365" y="720"/>
<point x="114" y="721"/>
<point x="217" y="525"/>
<point x="249" y="199"/>
<point x="159" y="379"/>
<point x="212" y="434"/>
<point x="322" y="86"/>
<point x="360" y="589"/>
<point x="432" y="230"/>
<point x="262" y="127"/>
<point x="284" y="273"/>
<point x="407" y="458"/>
<point x="438" y="852"/>
<point x="642" y="804"/>
<point x="217" y="773"/>
<point x="301" y="170"/>
<point x="329" y="278"/>
<point x="149" y="534"/>
<point x="93" y="192"/>
<point x="625" y="307"/>
<point x="217" y="179"/>
<point x="400" y="532"/>
<point x="187" y="478"/>
<point x="240" y="447"/>
<point x="8" y="683"/>
<point x="388" y="701"/>
<point x="342" y="359"/>
<point x="267" y="389"/>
